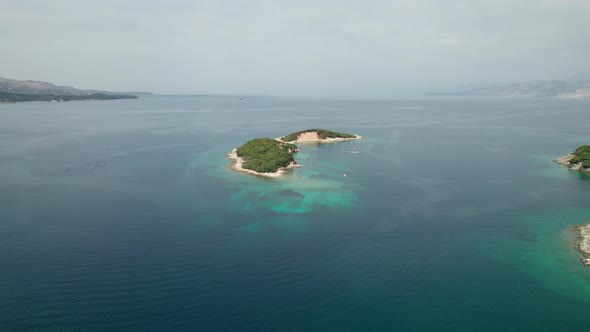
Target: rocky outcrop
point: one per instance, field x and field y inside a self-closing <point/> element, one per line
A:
<point x="584" y="242"/>
<point x="565" y="161"/>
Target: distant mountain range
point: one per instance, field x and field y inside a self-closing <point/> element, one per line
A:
<point x="15" y="91"/>
<point x="555" y="89"/>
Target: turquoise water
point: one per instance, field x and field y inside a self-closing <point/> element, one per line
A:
<point x="124" y="215"/>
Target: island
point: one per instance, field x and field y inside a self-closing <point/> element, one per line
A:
<point x="13" y="91"/>
<point x="264" y="156"/>
<point x="579" y="160"/>
<point x="270" y="157"/>
<point x="318" y="135"/>
<point x="583" y="245"/>
<point x="6" y="97"/>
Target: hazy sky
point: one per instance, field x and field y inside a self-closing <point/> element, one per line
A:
<point x="310" y="47"/>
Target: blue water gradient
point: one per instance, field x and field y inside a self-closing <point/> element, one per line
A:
<point x="124" y="215"/>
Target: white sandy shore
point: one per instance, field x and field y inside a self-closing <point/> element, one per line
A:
<point x="313" y="137"/>
<point x="238" y="161"/>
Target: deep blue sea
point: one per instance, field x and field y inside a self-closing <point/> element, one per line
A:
<point x="124" y="216"/>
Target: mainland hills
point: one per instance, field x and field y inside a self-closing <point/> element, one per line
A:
<point x="12" y="90"/>
<point x="554" y="89"/>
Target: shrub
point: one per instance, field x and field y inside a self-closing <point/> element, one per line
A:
<point x="584" y="149"/>
<point x="581" y="154"/>
<point x="266" y="155"/>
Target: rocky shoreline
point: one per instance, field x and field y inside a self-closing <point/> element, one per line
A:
<point x="238" y="161"/>
<point x="565" y="161"/>
<point x="583" y="245"/>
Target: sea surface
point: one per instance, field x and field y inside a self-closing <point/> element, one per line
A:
<point x="124" y="215"/>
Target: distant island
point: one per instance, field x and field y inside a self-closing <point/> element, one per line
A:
<point x="579" y="160"/>
<point x="6" y="97"/>
<point x="555" y="89"/>
<point x="271" y="157"/>
<point x="12" y="91"/>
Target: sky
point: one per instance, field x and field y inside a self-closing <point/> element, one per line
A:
<point x="317" y="48"/>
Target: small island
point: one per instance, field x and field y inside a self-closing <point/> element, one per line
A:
<point x="579" y="160"/>
<point x="264" y="156"/>
<point x="272" y="157"/>
<point x="318" y="135"/>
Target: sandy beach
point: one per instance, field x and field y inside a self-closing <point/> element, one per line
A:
<point x="313" y="137"/>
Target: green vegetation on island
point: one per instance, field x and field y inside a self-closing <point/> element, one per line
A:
<point x="270" y="157"/>
<point x="266" y="155"/>
<point x="8" y="97"/>
<point x="579" y="160"/>
<point x="581" y="155"/>
<point x="322" y="134"/>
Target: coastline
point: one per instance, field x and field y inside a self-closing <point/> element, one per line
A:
<point x="238" y="161"/>
<point x="565" y="161"/>
<point x="583" y="245"/>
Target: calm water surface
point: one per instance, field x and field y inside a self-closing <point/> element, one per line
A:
<point x="123" y="215"/>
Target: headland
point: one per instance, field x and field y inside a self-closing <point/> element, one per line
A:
<point x="579" y="160"/>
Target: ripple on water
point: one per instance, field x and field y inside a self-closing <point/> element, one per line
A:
<point x="293" y="197"/>
<point x="319" y="183"/>
<point x="545" y="257"/>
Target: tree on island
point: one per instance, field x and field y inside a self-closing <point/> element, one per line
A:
<point x="266" y="155"/>
<point x="581" y="155"/>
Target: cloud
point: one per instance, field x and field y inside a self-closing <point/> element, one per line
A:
<point x="335" y="48"/>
